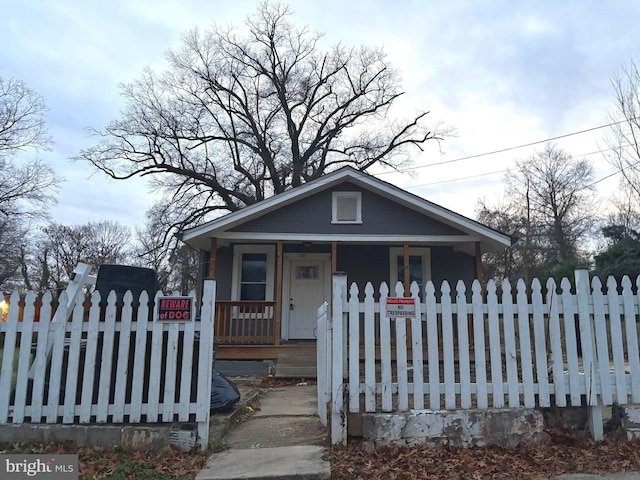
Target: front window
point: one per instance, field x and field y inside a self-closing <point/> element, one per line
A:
<point x="416" y="270"/>
<point x="419" y="266"/>
<point x="253" y="276"/>
<point x="253" y="272"/>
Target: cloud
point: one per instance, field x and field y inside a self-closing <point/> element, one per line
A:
<point x="503" y="72"/>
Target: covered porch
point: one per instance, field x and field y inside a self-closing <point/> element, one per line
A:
<point x="267" y="302"/>
<point x="273" y="260"/>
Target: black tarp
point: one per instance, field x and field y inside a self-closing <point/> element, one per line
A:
<point x="224" y="393"/>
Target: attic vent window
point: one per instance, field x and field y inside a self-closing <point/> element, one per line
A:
<point x="346" y="207"/>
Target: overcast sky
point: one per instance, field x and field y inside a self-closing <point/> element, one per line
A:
<point x="503" y="73"/>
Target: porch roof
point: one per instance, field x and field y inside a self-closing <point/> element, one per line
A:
<point x="472" y="231"/>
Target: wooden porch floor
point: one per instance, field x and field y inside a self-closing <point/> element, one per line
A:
<point x="291" y="359"/>
<point x="301" y="348"/>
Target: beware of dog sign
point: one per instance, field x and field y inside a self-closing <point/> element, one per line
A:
<point x="177" y="309"/>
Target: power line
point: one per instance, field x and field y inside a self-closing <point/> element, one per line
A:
<point x="504" y="171"/>
<point x="605" y="177"/>
<point x="458" y="179"/>
<point x="410" y="169"/>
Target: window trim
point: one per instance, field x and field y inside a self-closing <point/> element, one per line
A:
<point x="238" y="250"/>
<point x="335" y="196"/>
<point x="394" y="252"/>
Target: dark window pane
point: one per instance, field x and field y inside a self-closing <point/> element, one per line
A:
<point x="415" y="269"/>
<point x="253" y="291"/>
<point x="307" y="273"/>
<point x="254" y="267"/>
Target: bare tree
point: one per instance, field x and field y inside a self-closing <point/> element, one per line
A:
<point x="238" y="118"/>
<point x="153" y="248"/>
<point x="12" y="237"/>
<point x="93" y="243"/>
<point x="175" y="263"/>
<point x="33" y="255"/>
<point x="522" y="258"/>
<point x="624" y="140"/>
<point x="22" y="124"/>
<point x="549" y="209"/>
<point x="183" y="269"/>
<point x="26" y="188"/>
<point x="623" y="221"/>
<point x="556" y="190"/>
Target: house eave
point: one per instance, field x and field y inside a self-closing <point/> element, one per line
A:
<point x="462" y="243"/>
<point x="219" y="228"/>
<point x="270" y="204"/>
<point x="313" y="237"/>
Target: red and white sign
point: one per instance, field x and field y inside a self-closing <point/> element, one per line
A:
<point x="176" y="309"/>
<point x="400" y="307"/>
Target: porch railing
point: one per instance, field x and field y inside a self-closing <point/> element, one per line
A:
<point x="245" y="323"/>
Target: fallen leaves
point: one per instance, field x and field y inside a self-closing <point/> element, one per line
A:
<point x="96" y="463"/>
<point x="568" y="452"/>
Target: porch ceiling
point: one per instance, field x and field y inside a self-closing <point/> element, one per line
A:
<point x="463" y="243"/>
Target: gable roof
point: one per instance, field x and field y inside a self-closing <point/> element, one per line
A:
<point x="489" y="238"/>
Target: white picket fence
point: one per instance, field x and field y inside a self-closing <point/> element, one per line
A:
<point x="108" y="367"/>
<point x="490" y="352"/>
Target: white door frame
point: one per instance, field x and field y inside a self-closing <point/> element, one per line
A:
<point x="286" y="282"/>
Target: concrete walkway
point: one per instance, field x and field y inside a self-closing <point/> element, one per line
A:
<point x="285" y="440"/>
<point x="282" y="440"/>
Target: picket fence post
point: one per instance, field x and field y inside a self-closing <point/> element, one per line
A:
<point x="385" y="352"/>
<point x="416" y="350"/>
<point x="401" y="356"/>
<point x="353" y="362"/>
<point x="323" y="350"/>
<point x="205" y="360"/>
<point x="338" y="411"/>
<point x="631" y="330"/>
<point x="369" y="349"/>
<point x="8" y="349"/>
<point x="589" y="354"/>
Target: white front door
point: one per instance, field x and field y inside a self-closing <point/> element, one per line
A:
<point x="306" y="288"/>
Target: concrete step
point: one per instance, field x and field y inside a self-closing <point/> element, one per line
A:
<point x="302" y="462"/>
<point x="302" y="357"/>
<point x="296" y="371"/>
<point x="287" y="431"/>
<point x="239" y="368"/>
<point x="284" y="439"/>
<point x="296" y="365"/>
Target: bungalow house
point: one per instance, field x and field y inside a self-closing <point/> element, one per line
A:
<point x="273" y="260"/>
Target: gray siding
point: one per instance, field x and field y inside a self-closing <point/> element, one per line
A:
<point x="379" y="216"/>
<point x="224" y="266"/>
<point x="362" y="264"/>
<point x="452" y="266"/>
<point x="370" y="263"/>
